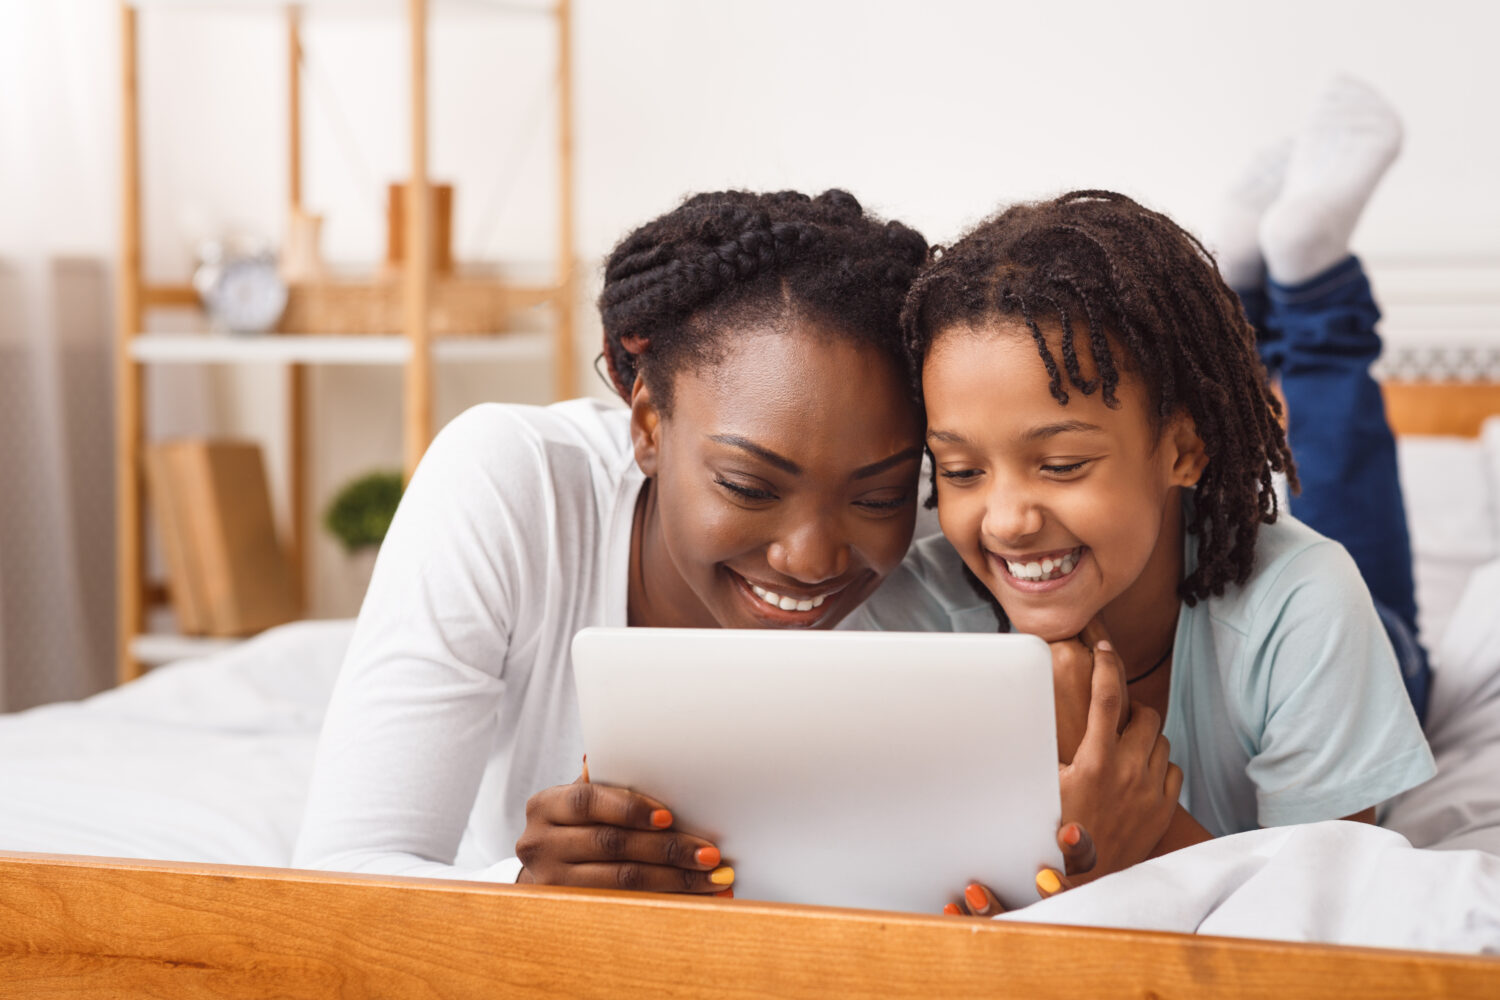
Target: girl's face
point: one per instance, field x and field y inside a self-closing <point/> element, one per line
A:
<point x="785" y="482"/>
<point x="1059" y="510"/>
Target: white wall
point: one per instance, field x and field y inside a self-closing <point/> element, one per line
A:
<point x="934" y="112"/>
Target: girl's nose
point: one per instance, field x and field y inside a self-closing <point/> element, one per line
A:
<point x="810" y="552"/>
<point x="1011" y="517"/>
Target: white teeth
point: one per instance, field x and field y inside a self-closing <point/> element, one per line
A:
<point x="788" y="603"/>
<point x="1046" y="569"/>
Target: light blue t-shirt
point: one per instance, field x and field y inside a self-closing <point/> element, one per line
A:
<point x="1286" y="703"/>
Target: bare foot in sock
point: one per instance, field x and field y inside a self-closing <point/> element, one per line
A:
<point x="1336" y="161"/>
<point x="1235" y="236"/>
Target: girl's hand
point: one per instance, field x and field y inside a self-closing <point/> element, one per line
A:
<point x="605" y="837"/>
<point x="1072" y="686"/>
<point x="1120" y="785"/>
<point x="1079" y="858"/>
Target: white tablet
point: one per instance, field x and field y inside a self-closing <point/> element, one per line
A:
<point x="884" y="770"/>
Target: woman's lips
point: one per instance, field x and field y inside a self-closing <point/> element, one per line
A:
<point x="771" y="605"/>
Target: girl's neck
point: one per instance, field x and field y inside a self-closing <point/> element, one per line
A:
<point x="1142" y="621"/>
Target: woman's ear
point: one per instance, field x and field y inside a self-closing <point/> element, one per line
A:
<point x="1189" y="454"/>
<point x="645" y="427"/>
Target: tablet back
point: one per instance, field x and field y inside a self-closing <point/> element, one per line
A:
<point x="865" y="769"/>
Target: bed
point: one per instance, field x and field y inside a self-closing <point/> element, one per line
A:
<point x="205" y="762"/>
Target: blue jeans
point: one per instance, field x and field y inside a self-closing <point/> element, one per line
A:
<point x="1319" y="336"/>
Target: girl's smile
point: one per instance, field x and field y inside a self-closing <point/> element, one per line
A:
<point x="1061" y="511"/>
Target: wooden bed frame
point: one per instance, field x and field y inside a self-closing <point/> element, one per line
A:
<point x="101" y="927"/>
<point x="86" y="926"/>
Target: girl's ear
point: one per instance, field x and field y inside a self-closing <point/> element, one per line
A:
<point x="1189" y="454"/>
<point x="645" y="427"/>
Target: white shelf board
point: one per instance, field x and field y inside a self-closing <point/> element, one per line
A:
<point x="156" y="648"/>
<point x="311" y="349"/>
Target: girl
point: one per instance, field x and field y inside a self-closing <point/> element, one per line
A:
<point x="1104" y="443"/>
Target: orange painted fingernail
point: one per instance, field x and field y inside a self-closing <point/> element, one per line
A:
<point x="661" y="818"/>
<point x="1072" y="835"/>
<point x="721" y="876"/>
<point x="976" y="897"/>
<point x="725" y="894"/>
<point x="708" y="857"/>
<point x="1047" y="881"/>
<point x="952" y="910"/>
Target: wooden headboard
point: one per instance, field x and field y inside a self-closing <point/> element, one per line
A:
<point x="96" y="927"/>
<point x="1448" y="408"/>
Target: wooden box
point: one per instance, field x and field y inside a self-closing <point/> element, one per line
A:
<point x="228" y="574"/>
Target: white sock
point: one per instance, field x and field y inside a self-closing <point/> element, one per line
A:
<point x="1235" y="236"/>
<point x="1336" y="161"/>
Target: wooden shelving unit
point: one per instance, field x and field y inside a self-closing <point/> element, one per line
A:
<point x="416" y="349"/>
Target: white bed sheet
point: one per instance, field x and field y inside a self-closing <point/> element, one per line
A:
<point x="204" y="760"/>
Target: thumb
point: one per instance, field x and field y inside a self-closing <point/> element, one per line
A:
<point x="1079" y="855"/>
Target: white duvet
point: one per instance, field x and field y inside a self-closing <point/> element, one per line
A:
<point x="209" y="761"/>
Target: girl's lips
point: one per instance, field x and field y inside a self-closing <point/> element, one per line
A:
<point x="779" y="617"/>
<point x="1002" y="570"/>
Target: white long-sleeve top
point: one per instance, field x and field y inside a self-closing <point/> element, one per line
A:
<point x="456" y="703"/>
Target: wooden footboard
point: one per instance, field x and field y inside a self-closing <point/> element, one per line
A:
<point x="95" y="927"/>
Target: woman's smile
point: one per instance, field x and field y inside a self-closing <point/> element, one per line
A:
<point x="786" y="607"/>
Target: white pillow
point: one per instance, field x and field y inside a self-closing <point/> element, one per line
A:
<point x="1451" y="485"/>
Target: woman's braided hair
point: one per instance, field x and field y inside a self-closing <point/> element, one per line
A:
<point x="727" y="261"/>
<point x="1096" y="264"/>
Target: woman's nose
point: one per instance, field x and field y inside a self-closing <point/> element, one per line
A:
<point x="810" y="552"/>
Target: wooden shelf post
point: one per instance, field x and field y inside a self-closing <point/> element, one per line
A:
<point x="130" y="596"/>
<point x="418" y="263"/>
<point x="564" y="365"/>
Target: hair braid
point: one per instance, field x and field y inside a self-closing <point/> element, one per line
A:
<point x="723" y="261"/>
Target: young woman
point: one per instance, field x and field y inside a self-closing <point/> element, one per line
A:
<point x="765" y="475"/>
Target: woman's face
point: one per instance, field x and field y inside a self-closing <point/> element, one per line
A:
<point x="785" y="481"/>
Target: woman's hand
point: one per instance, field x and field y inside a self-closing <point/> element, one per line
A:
<point x="1079" y="858"/>
<point x="1120" y="786"/>
<point x="605" y="837"/>
<point x="1072" y="687"/>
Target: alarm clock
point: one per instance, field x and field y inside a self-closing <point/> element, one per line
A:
<point x="243" y="292"/>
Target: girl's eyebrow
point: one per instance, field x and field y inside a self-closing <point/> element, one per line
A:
<point x="1052" y="430"/>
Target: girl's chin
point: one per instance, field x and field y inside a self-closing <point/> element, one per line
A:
<point x="1049" y="628"/>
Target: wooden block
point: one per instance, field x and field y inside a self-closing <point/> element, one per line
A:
<point x="1448" y="408"/>
<point x="184" y="585"/>
<point x="228" y="534"/>
<point x="442" y="227"/>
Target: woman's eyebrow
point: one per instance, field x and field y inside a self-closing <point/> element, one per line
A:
<point x="765" y="454"/>
<point x="875" y="468"/>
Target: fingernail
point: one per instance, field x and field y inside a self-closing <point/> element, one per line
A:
<point x="976" y="897"/>
<point x="1104" y="646"/>
<point x="661" y="818"/>
<point x="721" y="876"/>
<point x="1072" y="835"/>
<point x="1047" y="881"/>
<point x="725" y="894"/>
<point x="952" y="910"/>
<point x="708" y="857"/>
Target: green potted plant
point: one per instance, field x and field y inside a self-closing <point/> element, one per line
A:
<point x="359" y="516"/>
